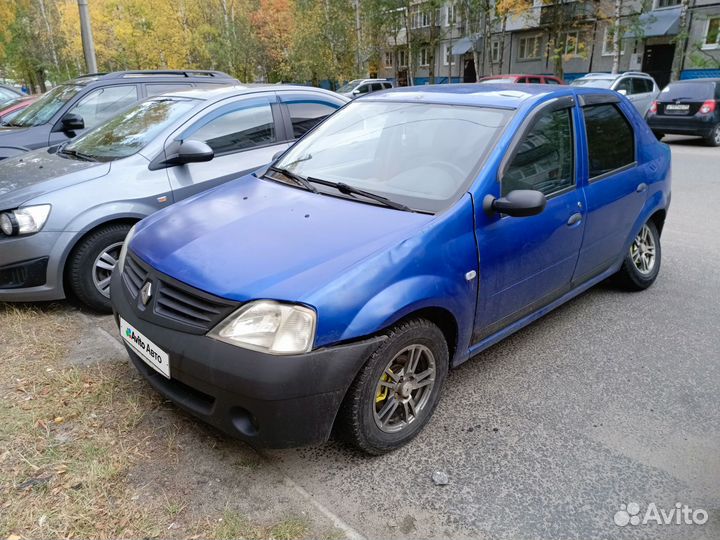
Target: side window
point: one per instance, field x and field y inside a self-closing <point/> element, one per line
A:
<point x="624" y="84"/>
<point x="550" y="81"/>
<point x="534" y="80"/>
<point x="641" y="86"/>
<point x="611" y="140"/>
<point x="387" y="85"/>
<point x="519" y="80"/>
<point x="104" y="103"/>
<point x="250" y="124"/>
<point x="376" y="87"/>
<point x="305" y="114"/>
<point x="545" y="158"/>
<point x="363" y="89"/>
<point x="158" y="89"/>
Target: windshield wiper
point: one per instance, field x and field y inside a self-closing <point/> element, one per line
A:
<point x="300" y="180"/>
<point x="350" y="190"/>
<point x="75" y="153"/>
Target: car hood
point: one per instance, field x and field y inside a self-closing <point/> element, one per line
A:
<point x="39" y="172"/>
<point x="254" y="238"/>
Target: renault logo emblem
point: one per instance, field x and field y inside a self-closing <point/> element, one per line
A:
<point x="146" y="293"/>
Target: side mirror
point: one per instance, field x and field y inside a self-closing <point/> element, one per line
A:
<point x="622" y="92"/>
<point x="72" y="122"/>
<point x="192" y="151"/>
<point x="517" y="203"/>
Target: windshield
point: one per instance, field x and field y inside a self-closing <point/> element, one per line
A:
<point x="130" y="131"/>
<point x="45" y="108"/>
<point x="593" y="83"/>
<point x="345" y="88"/>
<point x="699" y="91"/>
<point x="417" y="154"/>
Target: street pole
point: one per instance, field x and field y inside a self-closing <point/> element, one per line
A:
<point x="87" y="37"/>
<point x="357" y="29"/>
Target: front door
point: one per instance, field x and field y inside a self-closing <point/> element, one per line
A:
<point x="528" y="262"/>
<point x="244" y="135"/>
<point x="657" y="62"/>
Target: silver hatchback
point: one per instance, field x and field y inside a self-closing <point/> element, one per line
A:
<point x="640" y="88"/>
<point x="65" y="210"/>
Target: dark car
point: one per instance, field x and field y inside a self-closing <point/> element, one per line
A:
<point x="409" y="231"/>
<point x="688" y="108"/>
<point x="73" y="107"/>
<point x="523" y="79"/>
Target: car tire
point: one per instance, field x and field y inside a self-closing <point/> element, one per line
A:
<point x="90" y="265"/>
<point x="714" y="138"/>
<point x="377" y="415"/>
<point x="659" y="136"/>
<point x="642" y="262"/>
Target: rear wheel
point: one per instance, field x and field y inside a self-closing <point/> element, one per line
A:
<point x="714" y="138"/>
<point x="396" y="391"/>
<point x="642" y="262"/>
<point x="91" y="264"/>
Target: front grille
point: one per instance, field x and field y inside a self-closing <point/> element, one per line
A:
<point x="172" y="303"/>
<point x="134" y="275"/>
<point x="185" y="307"/>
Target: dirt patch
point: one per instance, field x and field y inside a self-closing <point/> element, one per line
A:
<point x="89" y="450"/>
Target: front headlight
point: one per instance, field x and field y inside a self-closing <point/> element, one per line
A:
<point x="124" y="248"/>
<point x="26" y="220"/>
<point x="269" y="327"/>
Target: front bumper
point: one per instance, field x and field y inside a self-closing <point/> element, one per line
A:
<point x="268" y="401"/>
<point x="19" y="266"/>
<point x="682" y="125"/>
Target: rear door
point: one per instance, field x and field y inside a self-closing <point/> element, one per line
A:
<point x="526" y="263"/>
<point x="614" y="189"/>
<point x="642" y="94"/>
<point x="244" y="133"/>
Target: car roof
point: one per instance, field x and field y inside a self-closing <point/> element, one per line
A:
<point x="700" y="80"/>
<point x="222" y="92"/>
<point x="504" y="95"/>
<point x="210" y="76"/>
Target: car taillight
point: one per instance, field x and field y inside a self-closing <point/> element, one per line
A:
<point x="653" y="107"/>
<point x="707" y="107"/>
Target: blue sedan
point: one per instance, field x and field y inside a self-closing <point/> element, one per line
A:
<point x="414" y="228"/>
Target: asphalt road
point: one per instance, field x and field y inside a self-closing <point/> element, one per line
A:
<point x="611" y="399"/>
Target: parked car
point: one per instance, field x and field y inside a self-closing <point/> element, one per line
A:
<point x="523" y="79"/>
<point x="65" y="211"/>
<point x="640" y="88"/>
<point x="688" y="108"/>
<point x="408" y="232"/>
<point x="10" y="109"/>
<point x="360" y="87"/>
<point x="71" y="108"/>
<point x="9" y="93"/>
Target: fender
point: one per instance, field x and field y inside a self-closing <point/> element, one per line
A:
<point x="414" y="294"/>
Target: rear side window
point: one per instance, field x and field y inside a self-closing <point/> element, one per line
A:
<point x="306" y="114"/>
<point x="611" y="140"/>
<point x="544" y="160"/>
<point x="550" y="81"/>
<point x="534" y="80"/>
<point x="624" y="84"/>
<point x="158" y="89"/>
<point x="386" y="85"/>
<point x="641" y="86"/>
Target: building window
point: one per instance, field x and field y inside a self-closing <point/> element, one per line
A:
<point x="495" y="51"/>
<point x="450" y="14"/>
<point x="449" y="58"/>
<point x="402" y="58"/>
<point x="712" y="34"/>
<point x="529" y="47"/>
<point x="607" y="49"/>
<point x="388" y="59"/>
<point x="420" y="19"/>
<point x="573" y="47"/>
<point x="666" y="3"/>
<point x="424" y="56"/>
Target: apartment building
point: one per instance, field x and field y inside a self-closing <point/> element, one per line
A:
<point x="444" y="46"/>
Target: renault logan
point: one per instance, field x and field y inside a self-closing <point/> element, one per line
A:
<point x="405" y="234"/>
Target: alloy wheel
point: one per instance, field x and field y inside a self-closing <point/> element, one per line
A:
<point x="103" y="267"/>
<point x="642" y="251"/>
<point x="404" y="388"/>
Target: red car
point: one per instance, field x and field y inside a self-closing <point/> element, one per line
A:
<point x="531" y="79"/>
<point x="9" y="109"/>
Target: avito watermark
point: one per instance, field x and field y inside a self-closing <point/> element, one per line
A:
<point x="680" y="514"/>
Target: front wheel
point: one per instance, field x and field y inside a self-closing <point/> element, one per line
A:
<point x="714" y="138"/>
<point x="91" y="264"/>
<point x="397" y="390"/>
<point x="642" y="262"/>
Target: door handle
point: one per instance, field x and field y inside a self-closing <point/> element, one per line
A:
<point x="575" y="218"/>
<point x="642" y="186"/>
